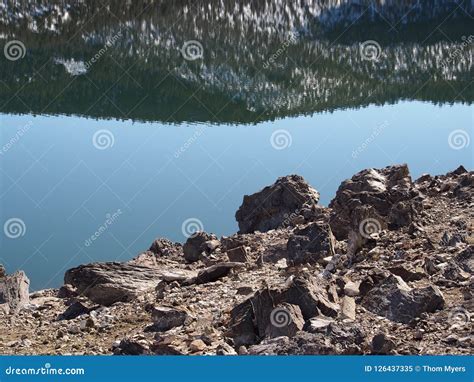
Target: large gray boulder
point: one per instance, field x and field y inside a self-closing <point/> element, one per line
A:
<point x="254" y="318"/>
<point x="107" y="283"/>
<point x="310" y="244"/>
<point x="14" y="290"/>
<point x="199" y="245"/>
<point x="275" y="205"/>
<point x="387" y="195"/>
<point x="395" y="300"/>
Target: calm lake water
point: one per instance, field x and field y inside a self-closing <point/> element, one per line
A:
<point x="142" y="120"/>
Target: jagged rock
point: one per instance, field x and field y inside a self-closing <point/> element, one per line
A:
<point x="251" y="318"/>
<point x="348" y="308"/>
<point x="351" y="289"/>
<point x="238" y="255"/>
<point x="107" y="283"/>
<point x="133" y="346"/>
<point x="74" y="310"/>
<point x="452" y="240"/>
<point x="215" y="272"/>
<point x="67" y="291"/>
<point x="389" y="191"/>
<point x="285" y="320"/>
<point x="225" y="349"/>
<point x="395" y="300"/>
<point x="271" y="207"/>
<point x="197" y="346"/>
<point x="166" y="318"/>
<point x="406" y="273"/>
<point x="3" y="272"/>
<point x="465" y="259"/>
<point x="318" y="324"/>
<point x="196" y="245"/>
<point x="165" y="247"/>
<point x="310" y="244"/>
<point x="381" y="344"/>
<point x="337" y="339"/>
<point x="14" y="291"/>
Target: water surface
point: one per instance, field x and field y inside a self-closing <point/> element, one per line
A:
<point x="108" y="124"/>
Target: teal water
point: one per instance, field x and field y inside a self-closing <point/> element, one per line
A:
<point x="143" y="139"/>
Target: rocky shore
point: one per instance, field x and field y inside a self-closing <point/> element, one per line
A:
<point x="387" y="268"/>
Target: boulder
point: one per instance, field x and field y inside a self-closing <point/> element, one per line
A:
<point x="166" y="318"/>
<point x="395" y="300"/>
<point x="74" y="310"/>
<point x="165" y="247"/>
<point x="348" y="308"/>
<point x="250" y="319"/>
<point x="389" y="192"/>
<point x="107" y="283"/>
<point x="238" y="255"/>
<point x="381" y="344"/>
<point x="14" y="291"/>
<point x="196" y="245"/>
<point x="465" y="259"/>
<point x="337" y="339"/>
<point x="310" y="244"/>
<point x="273" y="206"/>
<point x="215" y="272"/>
<point x="285" y="320"/>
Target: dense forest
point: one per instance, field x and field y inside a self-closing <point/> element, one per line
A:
<point x="258" y="60"/>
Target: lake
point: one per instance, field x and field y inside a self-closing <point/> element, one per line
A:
<point x="126" y="122"/>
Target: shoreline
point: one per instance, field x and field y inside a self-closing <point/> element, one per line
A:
<point x="387" y="254"/>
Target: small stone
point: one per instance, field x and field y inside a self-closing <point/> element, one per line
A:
<point x="348" y="308"/>
<point x="381" y="344"/>
<point x="166" y="318"/>
<point x="238" y="255"/>
<point x="351" y="289"/>
<point x="197" y="346"/>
